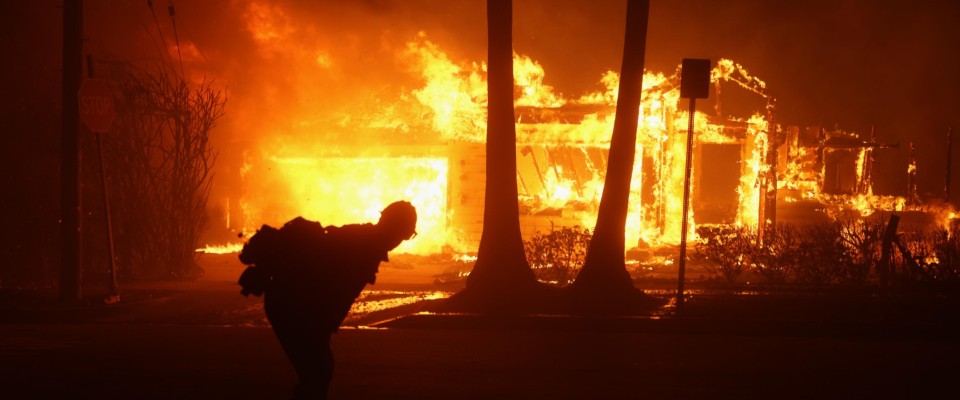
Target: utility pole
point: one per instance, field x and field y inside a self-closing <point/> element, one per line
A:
<point x="769" y="189"/>
<point x="70" y="207"/>
<point x="694" y="84"/>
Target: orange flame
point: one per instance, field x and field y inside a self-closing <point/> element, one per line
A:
<point x="561" y="145"/>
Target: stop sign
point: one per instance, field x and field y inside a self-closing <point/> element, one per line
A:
<point x="96" y="104"/>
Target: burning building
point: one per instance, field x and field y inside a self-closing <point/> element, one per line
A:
<point x="423" y="140"/>
<point x="428" y="146"/>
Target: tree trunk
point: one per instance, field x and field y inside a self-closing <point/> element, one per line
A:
<point x="604" y="270"/>
<point x="501" y="264"/>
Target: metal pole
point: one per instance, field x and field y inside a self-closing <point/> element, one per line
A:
<point x="113" y="295"/>
<point x="682" y="263"/>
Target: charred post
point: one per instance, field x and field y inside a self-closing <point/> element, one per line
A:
<point x="912" y="197"/>
<point x="773" y="146"/>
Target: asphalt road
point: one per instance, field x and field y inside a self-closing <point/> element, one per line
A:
<point x="202" y="340"/>
<point x="170" y="361"/>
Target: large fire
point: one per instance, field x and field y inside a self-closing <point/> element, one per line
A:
<point x="426" y="146"/>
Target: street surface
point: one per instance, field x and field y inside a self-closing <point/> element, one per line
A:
<point x="139" y="361"/>
<point x="202" y="340"/>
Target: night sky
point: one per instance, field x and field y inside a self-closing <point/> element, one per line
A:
<point x="840" y="63"/>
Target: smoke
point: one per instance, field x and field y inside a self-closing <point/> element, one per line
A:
<point x="840" y="62"/>
<point x="851" y="64"/>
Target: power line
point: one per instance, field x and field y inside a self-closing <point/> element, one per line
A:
<point x="176" y="37"/>
<point x="163" y="40"/>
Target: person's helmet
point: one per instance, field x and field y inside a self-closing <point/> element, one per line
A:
<point x="400" y="217"/>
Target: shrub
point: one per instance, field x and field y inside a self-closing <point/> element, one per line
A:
<point x="847" y="252"/>
<point x="926" y="258"/>
<point x="557" y="256"/>
<point x="726" y="248"/>
<point x="161" y="170"/>
<point x="946" y="247"/>
<point x="862" y="240"/>
<point x="821" y="254"/>
<point x="777" y="257"/>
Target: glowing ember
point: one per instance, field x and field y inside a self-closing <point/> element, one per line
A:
<point x="465" y="258"/>
<point x="221" y="249"/>
<point x="379" y="300"/>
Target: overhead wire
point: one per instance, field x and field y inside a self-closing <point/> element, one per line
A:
<point x="163" y="39"/>
<point x="156" y="21"/>
<point x="176" y="36"/>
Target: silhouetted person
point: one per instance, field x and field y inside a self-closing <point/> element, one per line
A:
<point x="312" y="276"/>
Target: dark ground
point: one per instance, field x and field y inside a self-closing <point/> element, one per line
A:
<point x="202" y="340"/>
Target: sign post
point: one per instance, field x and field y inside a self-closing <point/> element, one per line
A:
<point x="694" y="84"/>
<point x="97" y="112"/>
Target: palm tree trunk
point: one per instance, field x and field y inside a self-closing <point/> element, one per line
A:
<point x="501" y="264"/>
<point x="604" y="269"/>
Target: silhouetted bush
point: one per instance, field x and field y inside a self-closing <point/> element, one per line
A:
<point x="557" y="256"/>
<point x="821" y="254"/>
<point x="862" y="240"/>
<point x="803" y="255"/>
<point x="914" y="262"/>
<point x="845" y="252"/>
<point x="775" y="259"/>
<point x="726" y="248"/>
<point x="946" y="246"/>
<point x="161" y="163"/>
<point x="926" y="258"/>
